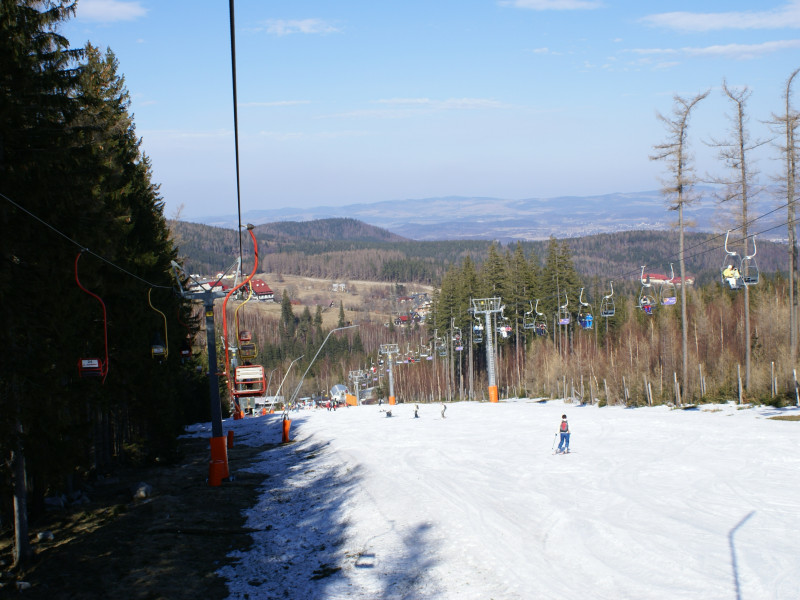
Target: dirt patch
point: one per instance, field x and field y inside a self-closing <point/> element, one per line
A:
<point x="168" y="545"/>
<point x="362" y="300"/>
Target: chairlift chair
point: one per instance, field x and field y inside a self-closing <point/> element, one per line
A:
<point x="529" y="319"/>
<point x="669" y="294"/>
<point x="647" y="299"/>
<point x="249" y="380"/>
<point x="90" y="367"/>
<point x="607" y="308"/>
<point x="247" y="347"/>
<point x="93" y="367"/>
<point x="585" y="317"/>
<point x="730" y="273"/>
<point x="159" y="349"/>
<point x="539" y="321"/>
<point x="749" y="269"/>
<point x="564" y="318"/>
<point x="477" y="332"/>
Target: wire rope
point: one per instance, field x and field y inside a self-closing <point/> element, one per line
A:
<point x="81" y="246"/>
<point x="236" y="129"/>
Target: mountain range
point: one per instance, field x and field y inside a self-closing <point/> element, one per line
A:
<point x="505" y="220"/>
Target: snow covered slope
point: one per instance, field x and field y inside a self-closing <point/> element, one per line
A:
<point x="652" y="504"/>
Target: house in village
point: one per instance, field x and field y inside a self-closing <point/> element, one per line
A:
<point x="262" y="291"/>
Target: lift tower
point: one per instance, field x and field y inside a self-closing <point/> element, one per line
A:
<point x="489" y="307"/>
<point x="389" y="350"/>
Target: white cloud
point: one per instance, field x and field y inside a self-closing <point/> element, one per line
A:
<point x="400" y="108"/>
<point x="786" y="16"/>
<point x="743" y="51"/>
<point x="287" y="27"/>
<point x="449" y="104"/>
<point x="290" y="136"/>
<point x="107" y="11"/>
<point x="733" y="51"/>
<point x="276" y="103"/>
<point x="553" y="4"/>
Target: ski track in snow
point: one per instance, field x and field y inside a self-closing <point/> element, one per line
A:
<point x="653" y="504"/>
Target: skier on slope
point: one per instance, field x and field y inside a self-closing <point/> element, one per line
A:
<point x="563" y="445"/>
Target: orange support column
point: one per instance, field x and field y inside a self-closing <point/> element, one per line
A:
<point x="493" y="397"/>
<point x="218" y="467"/>
<point x="287" y="425"/>
<point x="392" y="400"/>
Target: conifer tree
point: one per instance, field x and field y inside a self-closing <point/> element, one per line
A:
<point x="35" y="107"/>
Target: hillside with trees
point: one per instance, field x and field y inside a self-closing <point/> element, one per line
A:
<point x="293" y="249"/>
<point x="85" y="251"/>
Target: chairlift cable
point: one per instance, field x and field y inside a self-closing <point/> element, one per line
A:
<point x="81" y="246"/>
<point x="236" y="126"/>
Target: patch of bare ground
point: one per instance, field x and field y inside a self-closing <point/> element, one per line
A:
<point x="165" y="546"/>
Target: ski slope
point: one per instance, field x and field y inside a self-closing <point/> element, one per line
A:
<point x="652" y="503"/>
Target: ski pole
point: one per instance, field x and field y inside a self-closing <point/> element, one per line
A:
<point x="554" y="441"/>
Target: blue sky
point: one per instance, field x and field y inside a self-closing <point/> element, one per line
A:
<point x="369" y="100"/>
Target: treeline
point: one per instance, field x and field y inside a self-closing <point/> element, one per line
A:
<point x="290" y="249"/>
<point x="630" y="357"/>
<point x="79" y="209"/>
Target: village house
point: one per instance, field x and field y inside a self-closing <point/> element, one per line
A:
<point x="262" y="291"/>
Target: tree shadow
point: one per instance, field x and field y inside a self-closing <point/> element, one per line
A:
<point x="303" y="545"/>
<point x="734" y="561"/>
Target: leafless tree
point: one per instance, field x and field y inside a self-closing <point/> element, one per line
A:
<point x="740" y="186"/>
<point x="786" y="125"/>
<point x="678" y="191"/>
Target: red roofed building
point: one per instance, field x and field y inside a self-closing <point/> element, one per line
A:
<point x="262" y="291"/>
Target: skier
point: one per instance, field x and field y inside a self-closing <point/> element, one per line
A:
<point x="444" y="408"/>
<point x="563" y="445"/>
<point x="416" y="411"/>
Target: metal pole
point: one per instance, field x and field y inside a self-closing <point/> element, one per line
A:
<point x="278" y="391"/>
<point x="297" y="390"/>
<point x="213" y="377"/>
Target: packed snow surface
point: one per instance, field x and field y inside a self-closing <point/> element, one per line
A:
<point x="651" y="503"/>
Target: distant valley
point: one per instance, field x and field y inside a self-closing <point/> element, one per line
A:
<point x="475" y="218"/>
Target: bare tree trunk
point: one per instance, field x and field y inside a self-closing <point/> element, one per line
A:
<point x="734" y="152"/>
<point x="678" y="192"/>
<point x="790" y="150"/>
<point x="23" y="552"/>
<point x="684" y="318"/>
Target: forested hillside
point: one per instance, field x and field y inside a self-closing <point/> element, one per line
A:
<point x="345" y="248"/>
<point x="91" y="376"/>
